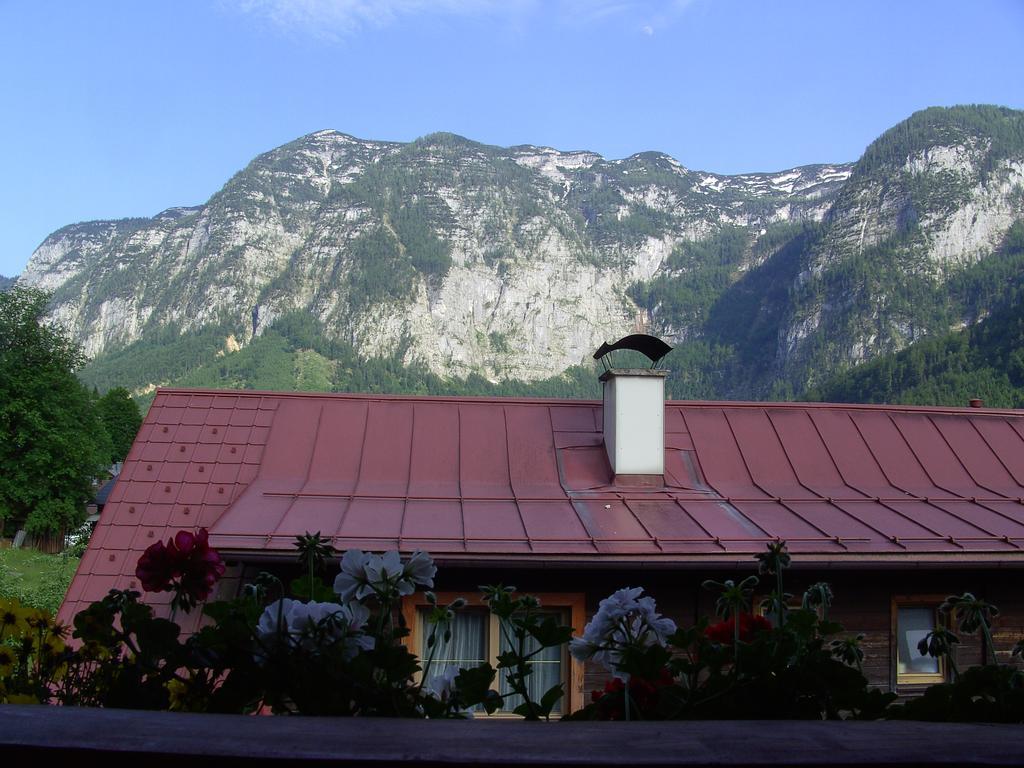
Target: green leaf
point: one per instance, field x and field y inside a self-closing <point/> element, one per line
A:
<point x="551" y="697"/>
<point x="321" y="592"/>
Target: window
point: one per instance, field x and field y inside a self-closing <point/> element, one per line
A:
<point x="913" y="619"/>
<point x="477" y="639"/>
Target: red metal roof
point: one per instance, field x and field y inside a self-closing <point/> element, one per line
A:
<point x="519" y="479"/>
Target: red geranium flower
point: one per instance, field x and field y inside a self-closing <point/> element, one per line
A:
<point x="642" y="692"/>
<point x="200" y="566"/>
<point x="156" y="568"/>
<point x="750" y="625"/>
<point x="185" y="565"/>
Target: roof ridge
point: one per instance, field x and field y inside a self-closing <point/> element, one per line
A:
<point x="803" y="405"/>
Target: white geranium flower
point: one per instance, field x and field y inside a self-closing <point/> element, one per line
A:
<point x="353" y="581"/>
<point x="420" y="569"/>
<point x="357" y="615"/>
<point x="651" y="625"/>
<point x="623" y="619"/>
<point x="274" y="620"/>
<point x="314" y="625"/>
<point x="581" y="648"/>
<point x="385" y="571"/>
<point x="442" y="686"/>
<point x="620" y="603"/>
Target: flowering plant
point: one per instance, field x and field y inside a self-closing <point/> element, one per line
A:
<point x="745" y="625"/>
<point x="32" y="653"/>
<point x="742" y="666"/>
<point x="185" y="565"/>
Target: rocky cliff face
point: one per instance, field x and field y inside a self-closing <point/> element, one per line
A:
<point x="516" y="263"/>
<point x="912" y="230"/>
<point x="532" y="249"/>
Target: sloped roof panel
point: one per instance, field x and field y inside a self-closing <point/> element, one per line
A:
<point x="529" y="479"/>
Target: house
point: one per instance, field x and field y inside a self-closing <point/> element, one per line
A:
<point x="895" y="506"/>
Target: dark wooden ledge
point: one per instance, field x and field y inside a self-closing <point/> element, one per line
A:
<point x="125" y="738"/>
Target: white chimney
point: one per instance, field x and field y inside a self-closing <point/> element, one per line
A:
<point x="634" y="421"/>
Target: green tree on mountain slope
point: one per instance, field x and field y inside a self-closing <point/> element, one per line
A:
<point x="52" y="444"/>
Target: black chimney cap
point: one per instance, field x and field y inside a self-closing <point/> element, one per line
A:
<point x="650" y="346"/>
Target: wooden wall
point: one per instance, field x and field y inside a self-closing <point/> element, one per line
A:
<point x="863" y="601"/>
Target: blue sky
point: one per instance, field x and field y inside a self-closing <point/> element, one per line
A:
<point x="114" y="109"/>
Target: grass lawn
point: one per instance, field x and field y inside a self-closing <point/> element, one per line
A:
<point x="35" y="579"/>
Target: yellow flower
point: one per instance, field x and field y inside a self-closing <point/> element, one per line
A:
<point x="93" y="651"/>
<point x="53" y="645"/>
<point x="12" y="618"/>
<point x="7" y="660"/>
<point x="21" y="698"/>
<point x="177" y="691"/>
<point x="39" y="619"/>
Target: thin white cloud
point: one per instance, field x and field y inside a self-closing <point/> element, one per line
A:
<point x="336" y="19"/>
<point x="340" y="18"/>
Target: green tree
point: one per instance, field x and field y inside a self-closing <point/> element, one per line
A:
<point x="52" y="443"/>
<point x="121" y="419"/>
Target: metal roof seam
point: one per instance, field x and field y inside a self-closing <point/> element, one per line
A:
<point x="914" y="497"/>
<point x="708" y="533"/>
<point x="362" y="449"/>
<point x="984" y="503"/>
<point x="916" y="456"/>
<point x="625" y="503"/>
<point x="788" y="457"/>
<point x="995" y="453"/>
<point x="873" y="455"/>
<point x="839" y="470"/>
<point x="974" y="499"/>
<point x="796" y="474"/>
<point x="772" y="497"/>
<point x="743" y="458"/>
<point x="832" y="458"/>
<point x="583" y="522"/>
<point x="702" y="477"/>
<point x="408" y="479"/>
<point x="963" y="464"/>
<point x="343" y="517"/>
<point x="309" y="468"/>
<point x="458" y="473"/>
<point x="511" y="485"/>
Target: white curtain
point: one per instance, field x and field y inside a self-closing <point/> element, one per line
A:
<point x="467" y="647"/>
<point x="546" y="671"/>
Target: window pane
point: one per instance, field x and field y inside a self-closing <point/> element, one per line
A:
<point x="546" y="669"/>
<point x="467" y="647"/>
<point x="912" y="624"/>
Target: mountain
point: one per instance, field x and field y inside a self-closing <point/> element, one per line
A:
<point x="448" y="265"/>
<point x="5" y="282"/>
<point x="910" y="248"/>
<point x="984" y="360"/>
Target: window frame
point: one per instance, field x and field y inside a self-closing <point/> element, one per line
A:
<point x="913" y="681"/>
<point x="573" y="603"/>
